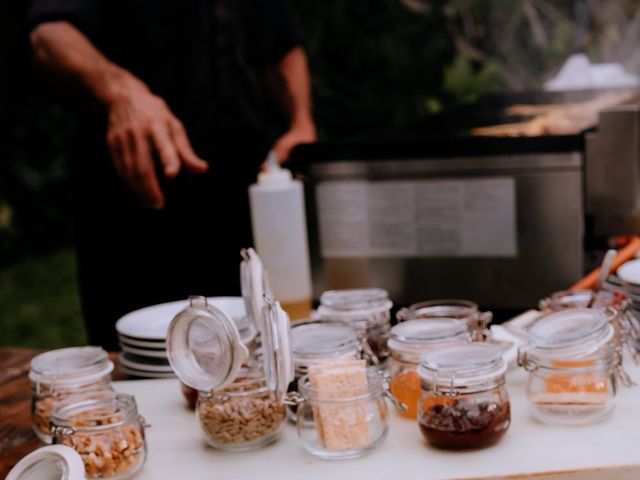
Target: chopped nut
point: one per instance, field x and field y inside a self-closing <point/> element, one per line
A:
<point x="230" y="419"/>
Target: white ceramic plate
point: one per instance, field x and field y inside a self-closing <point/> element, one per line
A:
<point x="147" y="345"/>
<point x="143" y="352"/>
<point x="151" y="323"/>
<point x="630" y="272"/>
<point x="144" y="365"/>
<point x="142" y="374"/>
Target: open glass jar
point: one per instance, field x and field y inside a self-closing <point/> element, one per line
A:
<point x="466" y="310"/>
<point x="408" y="341"/>
<point x="343" y="413"/>
<point x="574" y="364"/>
<point x="240" y="405"/>
<point x="316" y="341"/>
<point x="464" y="401"/>
<point x="60" y="373"/>
<point x="105" y="429"/>
<point x="368" y="310"/>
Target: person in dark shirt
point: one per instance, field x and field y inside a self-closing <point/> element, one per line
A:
<point x="180" y="107"/>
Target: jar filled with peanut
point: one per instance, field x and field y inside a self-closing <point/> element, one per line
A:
<point x="58" y="374"/>
<point x="105" y="429"/>
<point x="243" y="416"/>
<point x="240" y="403"/>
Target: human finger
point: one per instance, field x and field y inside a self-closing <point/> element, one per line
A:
<point x="144" y="179"/>
<point x="166" y="149"/>
<point x="181" y="141"/>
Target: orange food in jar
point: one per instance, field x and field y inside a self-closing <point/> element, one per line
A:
<point x="405" y="387"/>
<point x="577" y="382"/>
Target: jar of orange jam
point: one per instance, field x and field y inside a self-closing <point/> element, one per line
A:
<point x="408" y="341"/>
<point x="574" y="366"/>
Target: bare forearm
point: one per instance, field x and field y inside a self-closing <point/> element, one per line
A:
<point x="140" y="124"/>
<point x="65" y="51"/>
<point x="294" y="73"/>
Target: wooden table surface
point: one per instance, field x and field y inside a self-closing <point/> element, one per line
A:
<point x="16" y="435"/>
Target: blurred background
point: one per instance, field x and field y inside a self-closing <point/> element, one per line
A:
<point x="377" y="65"/>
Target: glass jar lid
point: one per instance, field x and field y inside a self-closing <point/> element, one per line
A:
<point x="574" y="332"/>
<point x="354" y="302"/>
<point x="70" y="365"/>
<point x="315" y="340"/>
<point x="204" y="347"/>
<point x="450" y="308"/>
<point x="579" y="299"/>
<point x="254" y="286"/>
<point x="462" y="365"/>
<point x="415" y="335"/>
<point x="53" y="462"/>
<point x="279" y="368"/>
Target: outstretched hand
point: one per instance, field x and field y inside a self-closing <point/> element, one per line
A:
<point x="141" y="127"/>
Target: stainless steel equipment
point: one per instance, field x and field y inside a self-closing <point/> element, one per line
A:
<point x="613" y="171"/>
<point x="500" y="221"/>
<point x="469" y="219"/>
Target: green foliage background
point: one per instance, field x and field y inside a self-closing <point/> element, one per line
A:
<point x="376" y="65"/>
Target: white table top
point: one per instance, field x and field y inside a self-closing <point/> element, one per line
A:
<point x="611" y="448"/>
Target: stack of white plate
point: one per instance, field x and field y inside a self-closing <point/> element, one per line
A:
<point x="142" y="335"/>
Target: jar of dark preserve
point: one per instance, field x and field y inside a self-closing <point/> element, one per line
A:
<point x="368" y="310"/>
<point x="463" y="401"/>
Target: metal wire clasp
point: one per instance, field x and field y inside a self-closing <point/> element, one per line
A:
<point x="386" y="390"/>
<point x="293" y="399"/>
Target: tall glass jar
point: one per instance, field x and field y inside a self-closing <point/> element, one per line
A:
<point x="105" y="429"/>
<point x="574" y="365"/>
<point x="463" y="402"/>
<point x="408" y="341"/>
<point x="60" y="373"/>
<point x="315" y="341"/>
<point x="466" y="310"/>
<point x="240" y="404"/>
<point x="368" y="310"/>
<point x="343" y="418"/>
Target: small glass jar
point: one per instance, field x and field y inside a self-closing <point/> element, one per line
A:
<point x="60" y="373"/>
<point x="408" y="341"/>
<point x="243" y="416"/>
<point x="463" y="402"/>
<point x="105" y="429"/>
<point x="573" y="364"/>
<point x="626" y="326"/>
<point x="315" y="341"/>
<point x="477" y="321"/>
<point x="368" y="310"/>
<point x="343" y="422"/>
<point x="240" y="404"/>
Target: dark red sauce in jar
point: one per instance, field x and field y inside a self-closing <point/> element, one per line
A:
<point x="465" y="424"/>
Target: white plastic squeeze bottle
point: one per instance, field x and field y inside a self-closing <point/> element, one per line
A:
<point x="280" y="236"/>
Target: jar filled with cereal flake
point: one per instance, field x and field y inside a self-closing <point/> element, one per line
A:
<point x="57" y="374"/>
<point x="368" y="310"/>
<point x="342" y="411"/>
<point x="316" y="341"/>
<point x="408" y="341"/>
<point x="240" y="402"/>
<point x="574" y="365"/>
<point x="105" y="429"/>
